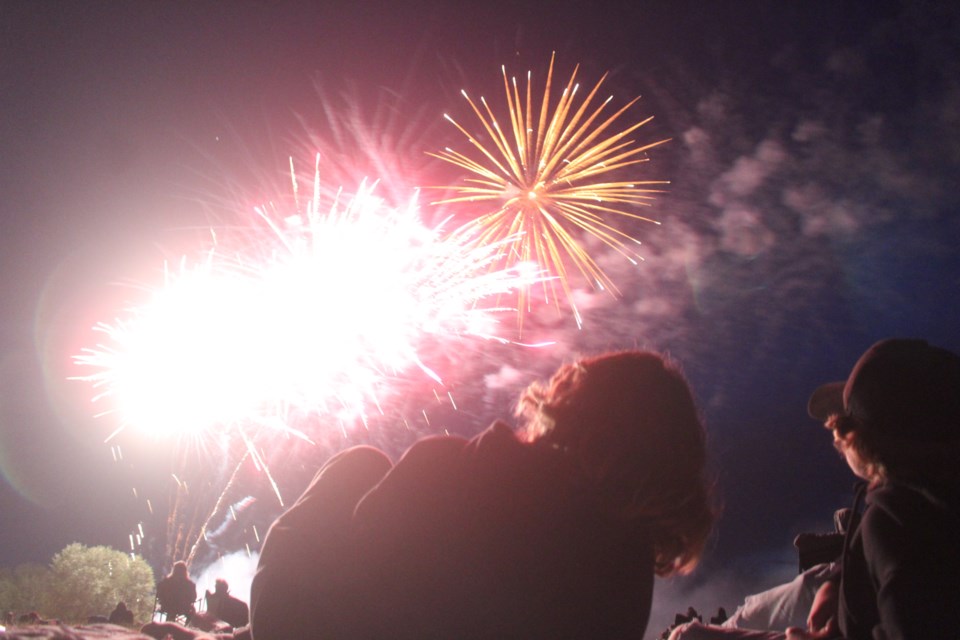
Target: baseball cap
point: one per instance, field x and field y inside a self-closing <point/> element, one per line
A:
<point x="900" y="387"/>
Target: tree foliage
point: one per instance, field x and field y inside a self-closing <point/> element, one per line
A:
<point x="24" y="588"/>
<point x="85" y="581"/>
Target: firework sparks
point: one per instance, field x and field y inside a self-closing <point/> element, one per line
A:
<point x="551" y="177"/>
<point x="324" y="312"/>
<point x="319" y="314"/>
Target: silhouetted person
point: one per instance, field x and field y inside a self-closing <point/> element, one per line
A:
<point x="177" y="593"/>
<point x="223" y="606"/>
<point x="555" y="533"/>
<point x="121" y="615"/>
<point x="896" y="422"/>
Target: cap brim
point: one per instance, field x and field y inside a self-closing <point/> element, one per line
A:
<point x="826" y="401"/>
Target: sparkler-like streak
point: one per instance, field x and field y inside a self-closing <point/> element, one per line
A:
<point x="550" y="178"/>
<point x="321" y="312"/>
<point x="216" y="509"/>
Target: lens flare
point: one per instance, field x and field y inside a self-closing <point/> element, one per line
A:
<point x="551" y="177"/>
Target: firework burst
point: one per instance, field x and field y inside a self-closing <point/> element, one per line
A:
<point x="319" y="314"/>
<point x="323" y="311"/>
<point x="552" y="177"/>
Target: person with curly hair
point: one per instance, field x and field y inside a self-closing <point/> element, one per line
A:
<point x="554" y="530"/>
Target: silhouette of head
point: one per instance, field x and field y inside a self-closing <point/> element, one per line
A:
<point x="179" y="569"/>
<point x="629" y="421"/>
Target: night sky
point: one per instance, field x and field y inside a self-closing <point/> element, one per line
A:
<point x="812" y="210"/>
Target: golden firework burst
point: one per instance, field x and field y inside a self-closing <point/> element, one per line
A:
<point x="552" y="178"/>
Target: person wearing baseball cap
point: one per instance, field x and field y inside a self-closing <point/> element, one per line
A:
<point x="896" y="422"/>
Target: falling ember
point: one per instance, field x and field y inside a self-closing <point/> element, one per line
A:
<point x="549" y="178"/>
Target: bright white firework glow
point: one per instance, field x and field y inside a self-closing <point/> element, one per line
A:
<point x="321" y="313"/>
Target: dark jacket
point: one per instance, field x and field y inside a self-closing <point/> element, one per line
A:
<point x="227" y="608"/>
<point x="901" y="567"/>
<point x="121" y="615"/>
<point x="177" y="596"/>
<point x="487" y="538"/>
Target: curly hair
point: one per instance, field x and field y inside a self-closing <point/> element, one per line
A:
<point x="629" y="422"/>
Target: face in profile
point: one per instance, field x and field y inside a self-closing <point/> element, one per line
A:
<point x="844" y="445"/>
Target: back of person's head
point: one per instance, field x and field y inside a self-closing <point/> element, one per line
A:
<point x="900" y="409"/>
<point x="179" y="569"/>
<point x="629" y="421"/>
<point x="221" y="586"/>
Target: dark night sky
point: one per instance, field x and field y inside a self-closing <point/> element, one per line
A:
<point x="812" y="210"/>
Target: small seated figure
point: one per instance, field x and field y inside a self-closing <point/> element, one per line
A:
<point x="177" y="593"/>
<point x="223" y="606"/>
<point x="121" y="614"/>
